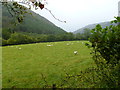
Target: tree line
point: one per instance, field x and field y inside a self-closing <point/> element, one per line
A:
<point x="14" y="38"/>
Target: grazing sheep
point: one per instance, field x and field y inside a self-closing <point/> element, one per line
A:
<point x="82" y="42"/>
<point x="68" y="44"/>
<point x="49" y="45"/>
<point x="20" y="48"/>
<point x="75" y="52"/>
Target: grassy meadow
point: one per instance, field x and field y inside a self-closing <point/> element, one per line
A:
<point x="25" y="66"/>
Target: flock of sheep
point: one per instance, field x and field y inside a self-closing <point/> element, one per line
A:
<point x="49" y="45"/>
<point x="75" y="52"/>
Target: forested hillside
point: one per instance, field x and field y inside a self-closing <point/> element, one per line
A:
<point x="32" y="23"/>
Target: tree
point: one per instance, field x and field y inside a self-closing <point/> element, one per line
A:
<point x="18" y="38"/>
<point x="6" y="34"/>
<point x="78" y="36"/>
<point x="86" y="33"/>
<point x="16" y="10"/>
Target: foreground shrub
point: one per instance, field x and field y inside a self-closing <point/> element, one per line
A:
<point x="106" y="54"/>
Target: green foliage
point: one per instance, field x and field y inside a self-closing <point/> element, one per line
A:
<point x="85" y="35"/>
<point x="18" y="38"/>
<point x="107" y="42"/>
<point x="6" y="33"/>
<point x="4" y="42"/>
<point x="116" y="21"/>
<point x="12" y="37"/>
<point x="106" y="51"/>
<point x="16" y="10"/>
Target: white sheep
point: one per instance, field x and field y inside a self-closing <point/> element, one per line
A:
<point x="49" y="45"/>
<point x="75" y="52"/>
<point x="82" y="42"/>
<point x="20" y="48"/>
<point x="68" y="44"/>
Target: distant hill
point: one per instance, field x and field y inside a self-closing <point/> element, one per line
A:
<point x="32" y="23"/>
<point x="91" y="26"/>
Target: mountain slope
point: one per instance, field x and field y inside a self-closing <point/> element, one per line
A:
<point x="32" y="23"/>
<point x="91" y="26"/>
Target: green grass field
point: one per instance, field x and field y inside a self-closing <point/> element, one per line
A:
<point x="24" y="65"/>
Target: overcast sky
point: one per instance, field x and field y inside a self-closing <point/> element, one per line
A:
<point x="79" y="13"/>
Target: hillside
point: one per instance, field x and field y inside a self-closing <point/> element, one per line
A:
<point x="32" y="23"/>
<point x="91" y="26"/>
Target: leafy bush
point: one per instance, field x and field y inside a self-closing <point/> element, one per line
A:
<point x="18" y="38"/>
<point x="106" y="54"/>
<point x="6" y="34"/>
<point x="4" y="42"/>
